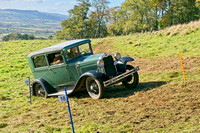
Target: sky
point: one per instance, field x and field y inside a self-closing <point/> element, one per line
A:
<point x="50" y="6"/>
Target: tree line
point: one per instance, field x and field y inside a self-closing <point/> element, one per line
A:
<point x="17" y="36"/>
<point x="93" y="18"/>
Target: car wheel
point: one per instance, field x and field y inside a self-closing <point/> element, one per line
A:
<point x="40" y="91"/>
<point x="132" y="80"/>
<point x="94" y="87"/>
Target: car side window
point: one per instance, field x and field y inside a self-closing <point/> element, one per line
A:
<point x="39" y="61"/>
<point x="55" y="58"/>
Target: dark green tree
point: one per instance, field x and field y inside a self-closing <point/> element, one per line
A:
<point x="180" y="11"/>
<point x="18" y="36"/>
<point x="76" y="25"/>
<point x="31" y="37"/>
<point x="135" y="16"/>
<point x="50" y="37"/>
<point x="81" y="24"/>
<point x="99" y="16"/>
<point x="113" y="19"/>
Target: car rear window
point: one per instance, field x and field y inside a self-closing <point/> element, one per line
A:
<point x="39" y="61"/>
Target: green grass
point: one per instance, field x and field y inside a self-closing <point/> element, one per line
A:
<point x="162" y="102"/>
<point x="153" y="45"/>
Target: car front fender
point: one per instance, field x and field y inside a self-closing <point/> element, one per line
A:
<point x="126" y="59"/>
<point x="81" y="81"/>
<point x="121" y="64"/>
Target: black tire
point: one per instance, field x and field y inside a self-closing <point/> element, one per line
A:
<point x="95" y="87"/>
<point x="131" y="81"/>
<point x="40" y="91"/>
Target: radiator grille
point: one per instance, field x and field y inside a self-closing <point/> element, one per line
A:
<point x="109" y="66"/>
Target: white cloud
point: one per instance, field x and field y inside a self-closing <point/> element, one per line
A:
<point x="71" y="3"/>
<point x="35" y="1"/>
<point x="59" y="4"/>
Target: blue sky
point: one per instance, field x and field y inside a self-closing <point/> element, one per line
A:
<point x="51" y="6"/>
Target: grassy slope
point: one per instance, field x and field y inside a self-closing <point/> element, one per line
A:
<point x="162" y="102"/>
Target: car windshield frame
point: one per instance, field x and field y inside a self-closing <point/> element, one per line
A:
<point x="78" y="50"/>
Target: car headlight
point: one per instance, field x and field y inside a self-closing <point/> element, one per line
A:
<point x="100" y="63"/>
<point x="117" y="56"/>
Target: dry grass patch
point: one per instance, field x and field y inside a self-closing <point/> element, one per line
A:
<point x="182" y="29"/>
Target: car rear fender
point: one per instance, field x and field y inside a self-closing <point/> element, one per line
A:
<point x="49" y="89"/>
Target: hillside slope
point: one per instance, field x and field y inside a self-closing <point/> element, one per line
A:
<point x="29" y="21"/>
<point x="162" y="102"/>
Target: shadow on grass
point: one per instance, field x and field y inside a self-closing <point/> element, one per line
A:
<point x="116" y="91"/>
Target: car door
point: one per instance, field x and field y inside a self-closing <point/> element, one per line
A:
<point x="59" y="74"/>
<point x="72" y="62"/>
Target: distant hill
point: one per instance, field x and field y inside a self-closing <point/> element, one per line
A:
<point x="30" y="22"/>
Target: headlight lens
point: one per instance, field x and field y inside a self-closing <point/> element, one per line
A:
<point x="100" y="63"/>
<point x="117" y="56"/>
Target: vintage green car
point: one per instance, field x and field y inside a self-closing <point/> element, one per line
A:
<point x="73" y="65"/>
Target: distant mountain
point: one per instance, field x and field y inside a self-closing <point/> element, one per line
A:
<point x="30" y="22"/>
<point x="29" y="14"/>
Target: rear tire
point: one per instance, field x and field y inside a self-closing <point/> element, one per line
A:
<point x="95" y="87"/>
<point x="40" y="91"/>
<point x="131" y="81"/>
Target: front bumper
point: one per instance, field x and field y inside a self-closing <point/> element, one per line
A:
<point x="120" y="77"/>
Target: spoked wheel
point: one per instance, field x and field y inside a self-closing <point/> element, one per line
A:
<point x="131" y="81"/>
<point x="40" y="91"/>
<point x="94" y="87"/>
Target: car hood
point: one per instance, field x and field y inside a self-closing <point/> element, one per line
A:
<point x="91" y="58"/>
<point x="88" y="63"/>
<point x="86" y="59"/>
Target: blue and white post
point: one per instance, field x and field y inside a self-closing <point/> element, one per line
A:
<point x="29" y="88"/>
<point x="27" y="82"/>
<point x="70" y="115"/>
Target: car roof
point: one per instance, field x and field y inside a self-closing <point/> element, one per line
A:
<point x="60" y="46"/>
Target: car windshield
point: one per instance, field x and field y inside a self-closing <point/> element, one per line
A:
<point x="84" y="49"/>
<point x="77" y="51"/>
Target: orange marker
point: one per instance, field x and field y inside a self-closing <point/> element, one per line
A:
<point x="182" y="65"/>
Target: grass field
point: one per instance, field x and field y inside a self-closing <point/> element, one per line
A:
<point x="162" y="102"/>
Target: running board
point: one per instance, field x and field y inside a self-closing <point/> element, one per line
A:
<point x="60" y="93"/>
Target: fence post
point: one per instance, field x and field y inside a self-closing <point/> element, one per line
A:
<point x="29" y="88"/>
<point x="182" y="65"/>
<point x="70" y="115"/>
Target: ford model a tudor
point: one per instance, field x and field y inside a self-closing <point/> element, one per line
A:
<point x="72" y="64"/>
